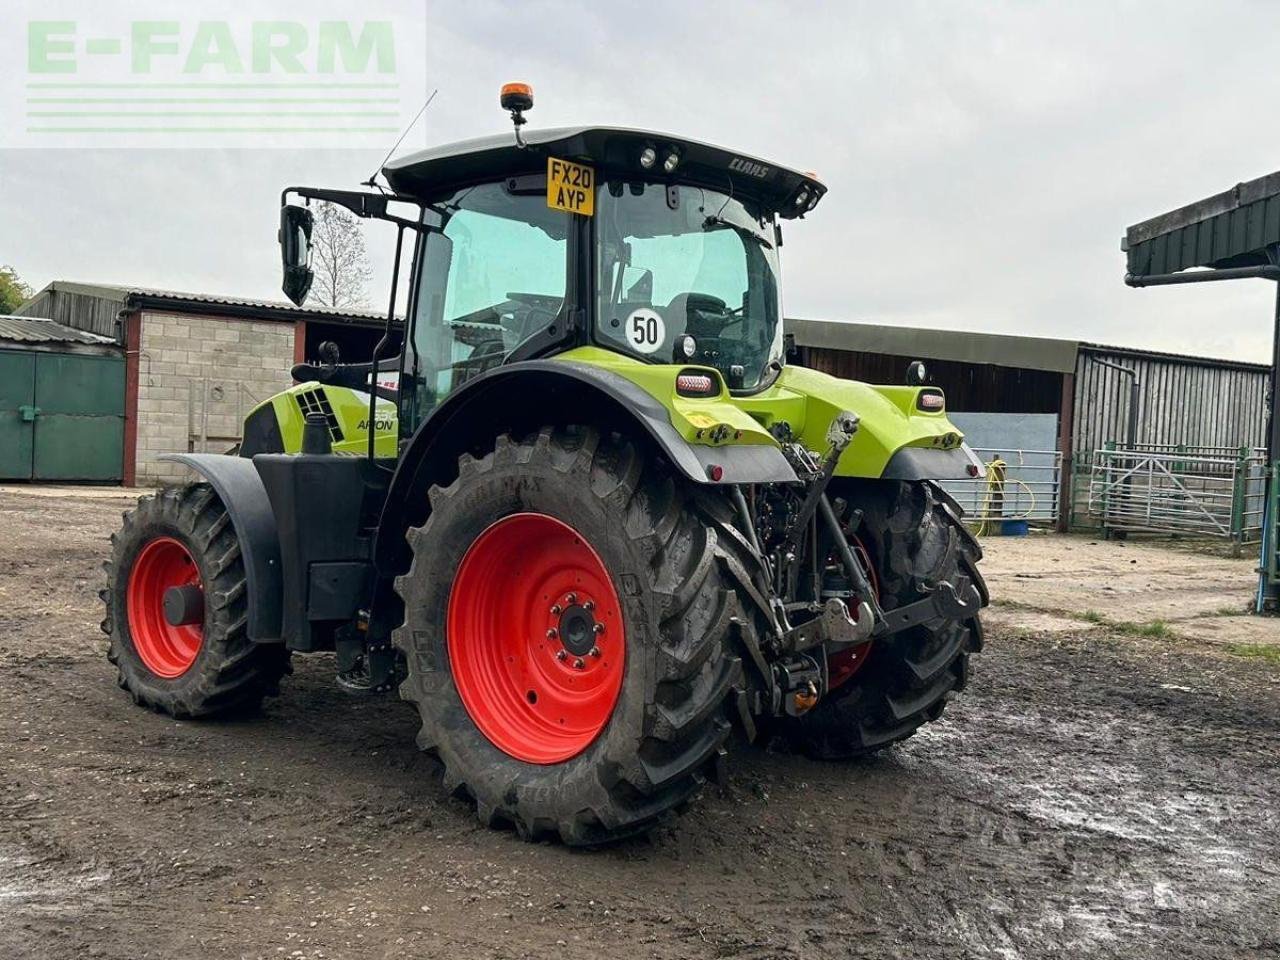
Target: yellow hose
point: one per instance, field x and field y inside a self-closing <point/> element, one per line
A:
<point x="997" y="481"/>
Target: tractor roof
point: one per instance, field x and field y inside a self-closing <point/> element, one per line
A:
<point x="611" y="151"/>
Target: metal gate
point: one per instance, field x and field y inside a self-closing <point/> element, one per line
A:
<point x="61" y="416"/>
<point x="1209" y="492"/>
<point x="1017" y="485"/>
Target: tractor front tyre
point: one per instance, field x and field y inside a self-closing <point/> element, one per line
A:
<point x="176" y="610"/>
<point x="568" y="633"/>
<point x="913" y="541"/>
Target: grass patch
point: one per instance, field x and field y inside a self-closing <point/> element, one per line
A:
<point x="1232" y="612"/>
<point x="1156" y="629"/>
<point x="999" y="601"/>
<point x="1256" y="651"/>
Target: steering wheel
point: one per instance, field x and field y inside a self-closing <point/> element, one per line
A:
<point x="706" y="318"/>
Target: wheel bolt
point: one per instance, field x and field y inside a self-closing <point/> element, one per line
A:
<point x="571" y="599"/>
<point x="598" y="629"/>
<point x="552" y="633"/>
<point x="595" y="651"/>
<point x="589" y="605"/>
<point x="555" y="610"/>
<point x="579" y="663"/>
<point x="561" y="655"/>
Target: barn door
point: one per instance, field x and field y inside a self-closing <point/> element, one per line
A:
<point x="17" y="414"/>
<point x="79" y="427"/>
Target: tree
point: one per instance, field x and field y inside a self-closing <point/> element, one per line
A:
<point x="338" y="257"/>
<point x="13" y="292"/>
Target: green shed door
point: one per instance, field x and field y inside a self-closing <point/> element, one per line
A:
<point x="17" y="414"/>
<point x="79" y="427"/>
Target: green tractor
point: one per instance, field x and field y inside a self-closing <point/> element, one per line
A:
<point x="576" y="507"/>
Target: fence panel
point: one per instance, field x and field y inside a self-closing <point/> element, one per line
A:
<point x="1206" y="491"/>
<point x="1018" y="485"/>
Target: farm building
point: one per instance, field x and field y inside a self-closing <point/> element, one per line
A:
<point x="189" y="366"/>
<point x="1053" y="397"/>
<point x="192" y="365"/>
<point x="1193" y="401"/>
<point x="61" y="402"/>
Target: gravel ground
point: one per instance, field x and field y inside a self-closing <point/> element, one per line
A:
<point x="1106" y="787"/>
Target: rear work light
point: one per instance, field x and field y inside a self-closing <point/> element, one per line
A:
<point x="690" y="384"/>
<point x="931" y="400"/>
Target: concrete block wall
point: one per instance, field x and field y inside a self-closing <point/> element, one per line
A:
<point x="197" y="377"/>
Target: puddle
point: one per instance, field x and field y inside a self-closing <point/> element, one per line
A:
<point x="27" y="881"/>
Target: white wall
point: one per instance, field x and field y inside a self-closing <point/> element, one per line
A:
<point x="238" y="362"/>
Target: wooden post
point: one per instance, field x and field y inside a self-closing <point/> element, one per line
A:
<point x="299" y="341"/>
<point x="1066" y="434"/>
<point x="132" y="349"/>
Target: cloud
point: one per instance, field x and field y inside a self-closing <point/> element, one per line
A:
<point x="983" y="159"/>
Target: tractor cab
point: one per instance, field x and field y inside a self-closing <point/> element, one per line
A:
<point x="658" y="248"/>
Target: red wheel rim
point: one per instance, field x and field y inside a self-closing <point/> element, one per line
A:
<point x="843" y="665"/>
<point x="535" y="638"/>
<point x="166" y="650"/>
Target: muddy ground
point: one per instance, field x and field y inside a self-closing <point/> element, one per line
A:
<point x="1107" y="787"/>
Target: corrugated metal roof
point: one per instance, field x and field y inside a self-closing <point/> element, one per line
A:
<point x="1229" y="229"/>
<point x="998" y="349"/>
<point x="1165" y="356"/>
<point x="35" y="330"/>
<point x="1002" y="350"/>
<point x="139" y="296"/>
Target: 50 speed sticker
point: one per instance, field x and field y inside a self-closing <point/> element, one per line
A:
<point x="645" y="330"/>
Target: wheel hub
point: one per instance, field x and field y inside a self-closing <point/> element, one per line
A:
<point x="535" y="638"/>
<point x="577" y="629"/>
<point x="184" y="605"/>
<point x="164" y="604"/>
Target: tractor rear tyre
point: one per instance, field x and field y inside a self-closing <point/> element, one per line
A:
<point x="178" y="551"/>
<point x="567" y="635"/>
<point x="914" y="539"/>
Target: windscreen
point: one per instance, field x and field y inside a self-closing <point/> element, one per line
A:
<point x="677" y="260"/>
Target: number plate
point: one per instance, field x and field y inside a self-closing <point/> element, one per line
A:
<point x="571" y="187"/>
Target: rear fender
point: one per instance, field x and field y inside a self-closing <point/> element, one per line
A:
<point x="929" y="463"/>
<point x="896" y="439"/>
<point x="521" y="397"/>
<point x="236" y="481"/>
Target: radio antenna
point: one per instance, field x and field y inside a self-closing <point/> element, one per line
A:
<point x="395" y="146"/>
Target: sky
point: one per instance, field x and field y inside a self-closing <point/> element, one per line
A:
<point x="983" y="159"/>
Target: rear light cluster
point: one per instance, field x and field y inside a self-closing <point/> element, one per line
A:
<point x="931" y="401"/>
<point x="693" y="384"/>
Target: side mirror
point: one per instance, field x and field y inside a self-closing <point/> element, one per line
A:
<point x="295" y="251"/>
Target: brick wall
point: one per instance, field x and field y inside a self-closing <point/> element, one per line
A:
<point x="186" y="359"/>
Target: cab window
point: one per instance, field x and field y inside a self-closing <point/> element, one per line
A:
<point x="493" y="272"/>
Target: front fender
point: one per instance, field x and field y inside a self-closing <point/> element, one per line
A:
<point x="237" y="484"/>
<point x="522" y="397"/>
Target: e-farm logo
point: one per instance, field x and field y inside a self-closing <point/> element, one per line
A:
<point x="122" y="75"/>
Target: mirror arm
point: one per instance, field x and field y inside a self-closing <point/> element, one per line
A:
<point x="369" y="206"/>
